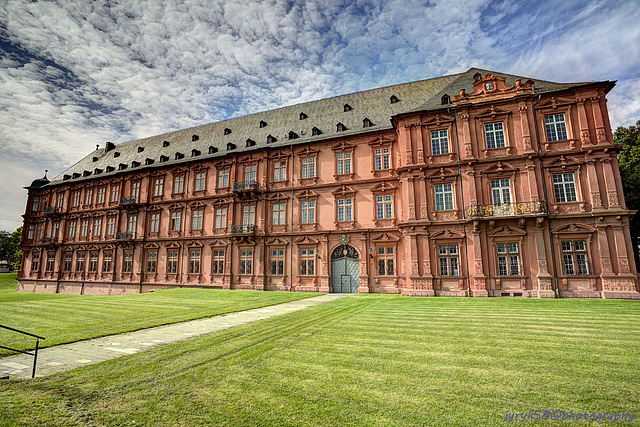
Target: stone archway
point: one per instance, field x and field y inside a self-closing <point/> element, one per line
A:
<point x="345" y="270"/>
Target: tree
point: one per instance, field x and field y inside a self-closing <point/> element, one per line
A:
<point x="10" y="247"/>
<point x="629" y="162"/>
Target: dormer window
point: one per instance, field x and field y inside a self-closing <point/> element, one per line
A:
<point x="164" y="159"/>
<point x="135" y="164"/>
<point x="67" y="177"/>
<point x="347" y="107"/>
<point x="263" y="124"/>
<point x="149" y="161"/>
<point x="140" y="149"/>
<point x="303" y="116"/>
<point x="77" y="175"/>
<point x="122" y="166"/>
<point x="477" y="77"/>
<point x="179" y="156"/>
<point x="116" y="154"/>
<point x="195" y="153"/>
<point x="250" y="143"/>
<point x="227" y="131"/>
<point x="271" y="139"/>
<point x="110" y="169"/>
<point x="315" y="131"/>
<point x="166" y="143"/>
<point x="230" y="146"/>
<point x="394" y="99"/>
<point x="86" y="173"/>
<point x="212" y="149"/>
<point x="195" y="138"/>
<point x="95" y="159"/>
<point x="293" y="135"/>
<point x="97" y="171"/>
<point x="340" y="127"/>
<point x="366" y="123"/>
<point x="446" y="99"/>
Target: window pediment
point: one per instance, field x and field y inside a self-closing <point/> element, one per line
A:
<point x="500" y="168"/>
<point x="307" y="194"/>
<point x="277" y="241"/>
<point x="564" y="162"/>
<point x="196" y="204"/>
<point x="385" y="238"/>
<point x="343" y="146"/>
<point x="437" y="121"/>
<point x="382" y="187"/>
<point x="154" y="208"/>
<point x="343" y="190"/>
<point x="442" y="174"/>
<point x="381" y="140"/>
<point x="195" y="244"/>
<point x="554" y="102"/>
<point x="306" y="240"/>
<point x="219" y="243"/>
<point x="278" y="196"/>
<point x="492" y="113"/>
<point x="221" y="201"/>
<point x="279" y="154"/>
<point x="447" y="234"/>
<point x="151" y="246"/>
<point x="178" y="171"/>
<point x="507" y="231"/>
<point x="172" y="245"/>
<point x="307" y="151"/>
<point x="223" y="164"/>
<point x="574" y="229"/>
<point x="248" y="160"/>
<point x="175" y="207"/>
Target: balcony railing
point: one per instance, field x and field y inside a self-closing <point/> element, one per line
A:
<point x="48" y="240"/>
<point x="508" y="209"/>
<point x="52" y="210"/>
<point x="125" y="235"/>
<point x="243" y="229"/>
<point x="246" y="186"/>
<point x="131" y="200"/>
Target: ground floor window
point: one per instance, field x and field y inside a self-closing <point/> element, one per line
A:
<point x="80" y="261"/>
<point x="127" y="263"/>
<point x="277" y="262"/>
<point x="51" y="257"/>
<point x="172" y="262"/>
<point x="307" y="262"/>
<point x="385" y="261"/>
<point x="93" y="262"/>
<point x="68" y="258"/>
<point x="194" y="262"/>
<point x="152" y="259"/>
<point x="574" y="258"/>
<point x="218" y="262"/>
<point x="508" y="259"/>
<point x="246" y="261"/>
<point x="107" y="262"/>
<point x="448" y="261"/>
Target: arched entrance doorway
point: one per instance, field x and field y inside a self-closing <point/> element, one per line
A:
<point x="345" y="269"/>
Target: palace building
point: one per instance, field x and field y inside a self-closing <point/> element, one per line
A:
<point x="473" y="184"/>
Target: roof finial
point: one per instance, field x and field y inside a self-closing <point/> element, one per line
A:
<point x="45" y="172"/>
<point x="97" y="147"/>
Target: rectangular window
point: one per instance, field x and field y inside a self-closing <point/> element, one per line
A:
<point x="154" y="222"/>
<point x="343" y="163"/>
<point x="135" y="190"/>
<point x="88" y="197"/>
<point x="54" y="230"/>
<point x="132" y="220"/>
<point x="246" y="261"/>
<point x="381" y="157"/>
<point x="194" y="262"/>
<point x="248" y="215"/>
<point x="278" y="213"/>
<point x="501" y="191"/>
<point x="35" y="261"/>
<point x="152" y="259"/>
<point x="107" y="262"/>
<point x="384" y="206"/>
<point x="574" y="258"/>
<point x="223" y="178"/>
<point x="72" y="229"/>
<point x="174" y="223"/>
<point x="221" y="217"/>
<point x="385" y="261"/>
<point x="277" y="262"/>
<point x="494" y="134"/>
<point x="250" y="173"/>
<point x="76" y="199"/>
<point x="307" y="262"/>
<point x="555" y="127"/>
<point x="115" y="193"/>
<point x="93" y="262"/>
<point x="97" y="227"/>
<point x="111" y="225"/>
<point x="200" y="181"/>
<point x="308" y="167"/>
<point x="102" y="191"/>
<point x="36" y="204"/>
<point x="196" y="219"/>
<point x="84" y="228"/>
<point x="280" y="171"/>
<point x="508" y="259"/>
<point x="51" y="258"/>
<point x="178" y="184"/>
<point x="309" y="212"/>
<point x="448" y="261"/>
<point x="59" y="200"/>
<point x="345" y="209"/>
<point x="439" y="142"/>
<point x="39" y="228"/>
<point x="444" y="197"/>
<point x="564" y="187"/>
<point x="158" y="187"/>
<point x="80" y="262"/>
<point x="218" y="262"/>
<point x="32" y="229"/>
<point x="172" y="262"/>
<point x="68" y="259"/>
<point x="127" y="263"/>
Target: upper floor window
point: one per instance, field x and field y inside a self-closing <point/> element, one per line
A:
<point x="501" y="191"/>
<point x="54" y="229"/>
<point x="135" y="190"/>
<point x="111" y="225"/>
<point x="307" y="262"/>
<point x="115" y="193"/>
<point x="381" y="157"/>
<point x="221" y="218"/>
<point x="223" y="178"/>
<point x="308" y="167"/>
<point x="277" y="262"/>
<point x="343" y="163"/>
<point x="448" y="261"/>
<point x="101" y="194"/>
<point x="494" y="134"/>
<point x="340" y="127"/>
<point x="345" y="209"/>
<point x="508" y="259"/>
<point x="280" y="171"/>
<point x="248" y="215"/>
<point x="200" y="181"/>
<point x="555" y="127"/>
<point x="446" y="99"/>
<point x="439" y="142"/>
<point x="76" y="199"/>
<point x="196" y="219"/>
<point x="35" y="261"/>
<point x="51" y="258"/>
<point x="84" y="228"/>
<point x="384" y="206"/>
<point x="174" y="220"/>
<point x="88" y="197"/>
<point x="32" y="228"/>
<point x="250" y="173"/>
<point x="154" y="222"/>
<point x="36" y="204"/>
<point x="278" y="213"/>
<point x="39" y="230"/>
<point x="97" y="227"/>
<point x="178" y="184"/>
<point x="68" y="260"/>
<point x="564" y="187"/>
<point x="574" y="258"/>
<point x="72" y="229"/>
<point x="132" y="220"/>
<point x="444" y="197"/>
<point x="385" y="258"/>
<point x="59" y="200"/>
<point x="308" y="212"/>
<point x="366" y="123"/>
<point x="315" y="131"/>
<point x="158" y="186"/>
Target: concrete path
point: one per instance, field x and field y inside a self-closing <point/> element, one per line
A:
<point x="69" y="356"/>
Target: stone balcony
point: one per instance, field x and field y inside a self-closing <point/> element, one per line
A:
<point x="243" y="229"/>
<point x="125" y="235"/>
<point x="507" y="210"/>
<point x="245" y="186"/>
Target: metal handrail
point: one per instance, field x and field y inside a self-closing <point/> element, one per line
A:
<point x="34" y="354"/>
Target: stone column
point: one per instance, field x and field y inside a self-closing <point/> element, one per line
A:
<point x="594" y="189"/>
<point x="420" y="143"/>
<point x="609" y="180"/>
<point x="465" y="137"/>
<point x="621" y="249"/>
<point x="533" y="183"/>
<point x="411" y="198"/>
<point x="422" y="197"/>
<point x="405" y="142"/>
<point x="583" y="124"/>
<point x="524" y="126"/>
<point x="601" y="134"/>
<point x="605" y="254"/>
<point x="324" y="277"/>
<point x="479" y="278"/>
<point x="544" y="288"/>
<point x="259" y="257"/>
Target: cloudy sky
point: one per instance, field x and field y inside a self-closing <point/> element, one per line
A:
<point x="74" y="74"/>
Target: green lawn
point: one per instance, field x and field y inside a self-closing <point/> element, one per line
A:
<point x="67" y="318"/>
<point x="370" y="360"/>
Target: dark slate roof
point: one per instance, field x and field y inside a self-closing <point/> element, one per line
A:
<point x="324" y="114"/>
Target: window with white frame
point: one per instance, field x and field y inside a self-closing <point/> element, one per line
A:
<point x="194" y="261"/>
<point x="280" y="171"/>
<point x="307" y="262"/>
<point x="93" y="262"/>
<point x="54" y="229"/>
<point x="35" y="261"/>
<point x="152" y="260"/>
<point x="88" y="197"/>
<point x="178" y="184"/>
<point x="564" y="187"/>
<point x="97" y="227"/>
<point x="448" y="260"/>
<point x="174" y="220"/>
<point x="277" y="262"/>
<point x="508" y="259"/>
<point x="196" y="219"/>
<point x="132" y="221"/>
<point x="68" y="261"/>
<point x="555" y="127"/>
<point x="39" y="229"/>
<point x="248" y="215"/>
<point x="200" y="181"/>
<point x="107" y="261"/>
<point x="382" y="158"/>
<point x="35" y="205"/>
<point x="439" y="142"/>
<point x="84" y="228"/>
<point x="444" y="196"/>
<point x="127" y="262"/>
<point x="250" y="173"/>
<point x="72" y="229"/>
<point x="223" y="178"/>
<point x="80" y="258"/>
<point x="115" y="193"/>
<point x="154" y="222"/>
<point x="51" y="258"/>
<point x="575" y="261"/>
<point x="345" y="209"/>
<point x="343" y="163"/>
<point x="102" y="191"/>
<point x="246" y="261"/>
<point x="494" y="135"/>
<point x="111" y="225"/>
<point x="32" y="229"/>
<point x="135" y="190"/>
<point x="501" y="191"/>
<point x="172" y="261"/>
<point x="278" y="213"/>
<point x="218" y="261"/>
<point x="308" y="212"/>
<point x="59" y="200"/>
<point x="308" y="167"/>
<point x="384" y="206"/>
<point x="221" y="217"/>
<point x="158" y="187"/>
<point x="76" y="199"/>
<point x="385" y="258"/>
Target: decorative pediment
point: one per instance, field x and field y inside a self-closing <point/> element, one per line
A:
<point x="196" y="204"/>
<point x="68" y="249"/>
<point x="195" y="244"/>
<point x="492" y="113"/>
<point x="221" y="201"/>
<point x="223" y="164"/>
<point x="110" y="246"/>
<point x="175" y="207"/>
<point x="554" y="102"/>
<point x="307" y="194"/>
<point x="245" y="241"/>
<point x="278" y="196"/>
<point x="158" y="173"/>
<point x="151" y="245"/>
<point x="307" y="151"/>
<point x="306" y="240"/>
<point x="383" y="186"/>
<point x="86" y="215"/>
<point x="81" y="248"/>
<point x="94" y="248"/>
<point x="343" y="146"/>
<point x="447" y="234"/>
<point x="219" y="243"/>
<point x="381" y="140"/>
<point x="179" y="170"/>
<point x="277" y="241"/>
<point x="500" y="168"/>
<point x="136" y="177"/>
<point x="437" y="120"/>
<point x="563" y="162"/>
<point x="343" y="190"/>
<point x="385" y="238"/>
<point x="154" y="208"/>
<point x="491" y="85"/>
<point x="250" y="159"/>
<point x="279" y="154"/>
<point x="507" y="231"/>
<point x="172" y="245"/>
<point x="575" y="228"/>
<point x="442" y="173"/>
<point x="199" y="168"/>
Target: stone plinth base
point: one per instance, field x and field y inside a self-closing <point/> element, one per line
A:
<point x="481" y="293"/>
<point x="621" y="295"/>
<point x="580" y="293"/>
<point x="418" y="292"/>
<point x="451" y="293"/>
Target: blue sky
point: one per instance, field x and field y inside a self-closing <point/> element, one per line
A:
<point x="77" y="74"/>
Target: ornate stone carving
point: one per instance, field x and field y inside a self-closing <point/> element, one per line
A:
<point x="585" y="137"/>
<point x="597" y="202"/>
<point x="414" y="267"/>
<point x="620" y="285"/>
<point x="543" y="266"/>
<point x="409" y="157"/>
<point x="426" y="266"/>
<point x="478" y="265"/>
<point x="412" y="212"/>
<point x="545" y="284"/>
<point x="420" y="156"/>
<point x="624" y="265"/>
<point x="527" y="142"/>
<point x="601" y="135"/>
<point x="468" y="152"/>
<point x="606" y="264"/>
<point x="613" y="199"/>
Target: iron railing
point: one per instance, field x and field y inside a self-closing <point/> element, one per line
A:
<point x="131" y="200"/>
<point x="246" y="186"/>
<point x="35" y="352"/>
<point x="507" y="209"/>
<point x="52" y="209"/>
<point x="48" y="240"/>
<point x="243" y="229"/>
<point x="125" y="235"/>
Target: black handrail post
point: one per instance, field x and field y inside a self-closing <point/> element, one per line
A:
<point x="35" y="358"/>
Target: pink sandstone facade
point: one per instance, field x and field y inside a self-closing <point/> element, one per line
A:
<point x="475" y="184"/>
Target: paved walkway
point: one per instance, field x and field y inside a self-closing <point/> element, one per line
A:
<point x="69" y="356"/>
